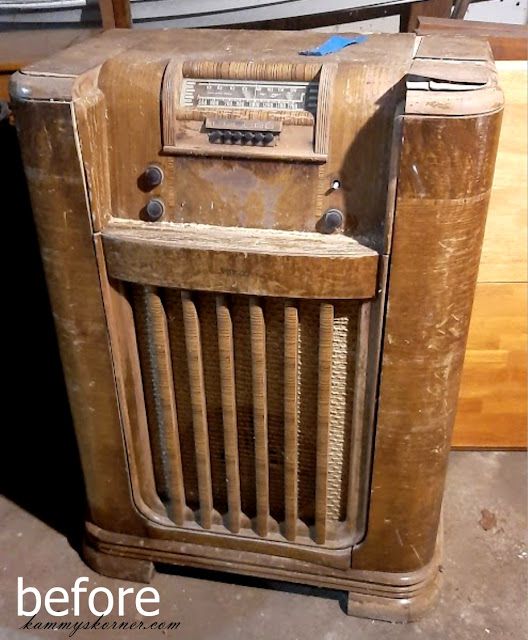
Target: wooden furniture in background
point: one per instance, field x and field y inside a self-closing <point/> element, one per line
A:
<point x="493" y="396"/>
<point x="115" y="14"/>
<point x="507" y="41"/>
<point x="411" y="12"/>
<point x="492" y="408"/>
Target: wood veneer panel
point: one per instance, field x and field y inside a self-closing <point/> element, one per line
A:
<point x="234" y="260"/>
<point x="437" y="238"/>
<point x="65" y="235"/>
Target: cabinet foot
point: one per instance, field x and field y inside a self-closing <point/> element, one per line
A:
<point x="118" y="566"/>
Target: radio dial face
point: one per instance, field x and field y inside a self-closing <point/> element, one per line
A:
<point x="249" y="95"/>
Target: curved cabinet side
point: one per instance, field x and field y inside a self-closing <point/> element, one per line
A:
<point x="445" y="177"/>
<point x="58" y="200"/>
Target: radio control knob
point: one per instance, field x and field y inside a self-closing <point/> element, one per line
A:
<point x="227" y="137"/>
<point x="332" y="221"/>
<point x="268" y="137"/>
<point x="152" y="176"/>
<point x="215" y="136"/>
<point x="236" y="136"/>
<point x="154" y="209"/>
<point x="248" y="136"/>
<point x="259" y="137"/>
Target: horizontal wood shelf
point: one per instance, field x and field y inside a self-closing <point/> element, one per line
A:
<point x="235" y="260"/>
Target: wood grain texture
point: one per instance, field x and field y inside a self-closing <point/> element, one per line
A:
<point x="63" y="225"/>
<point x="480" y="423"/>
<point x="201" y="436"/>
<point x="507" y="41"/>
<point x="291" y="409"/>
<point x="493" y="394"/>
<point x="115" y="14"/>
<point x="130" y="392"/>
<point x="437" y="238"/>
<point x="412" y="12"/>
<point x="249" y="261"/>
<point x="492" y="405"/>
<point x="230" y="354"/>
<point x="260" y="413"/>
<point x="263" y="193"/>
<point x="505" y="249"/>
<point x="359" y="414"/>
<point x="400" y="597"/>
<point x="229" y="413"/>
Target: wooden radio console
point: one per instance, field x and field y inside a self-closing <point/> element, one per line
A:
<point x="261" y="267"/>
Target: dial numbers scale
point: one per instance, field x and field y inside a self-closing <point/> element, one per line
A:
<point x="245" y="94"/>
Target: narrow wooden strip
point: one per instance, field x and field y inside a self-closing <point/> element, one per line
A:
<point x="291" y="383"/>
<point x="167" y="407"/>
<point x="326" y="324"/>
<point x="129" y="385"/>
<point x="260" y="413"/>
<point x="197" y="387"/>
<point x="355" y="484"/>
<point x="159" y="395"/>
<point x="227" y="384"/>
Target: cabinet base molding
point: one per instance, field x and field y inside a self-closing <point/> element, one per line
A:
<point x="394" y="597"/>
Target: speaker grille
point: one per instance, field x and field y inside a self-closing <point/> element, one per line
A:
<point x="249" y="405"/>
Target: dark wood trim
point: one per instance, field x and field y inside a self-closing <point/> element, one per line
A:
<point x="507" y="41"/>
<point x="115" y="14"/>
<point x="410" y="13"/>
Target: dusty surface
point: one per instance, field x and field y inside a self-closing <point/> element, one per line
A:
<point x="484" y="576"/>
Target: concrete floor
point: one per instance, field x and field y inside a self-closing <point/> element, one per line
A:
<point x="483" y="595"/>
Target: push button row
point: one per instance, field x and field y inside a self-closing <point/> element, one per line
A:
<point x="253" y="138"/>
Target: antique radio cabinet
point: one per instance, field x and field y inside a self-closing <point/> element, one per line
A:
<point x="261" y="266"/>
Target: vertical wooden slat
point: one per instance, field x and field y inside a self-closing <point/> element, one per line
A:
<point x="115" y="14"/>
<point x="199" y="412"/>
<point x="291" y="383"/>
<point x="326" y="324"/>
<point x="356" y="481"/>
<point x="260" y="413"/>
<point x="227" y="384"/>
<point x="158" y="383"/>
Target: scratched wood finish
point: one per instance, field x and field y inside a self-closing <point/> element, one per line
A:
<point x="388" y="563"/>
<point x="227" y="374"/>
<point x="231" y="260"/>
<point x="266" y="194"/>
<point x="492" y="406"/>
<point x="201" y="437"/>
<point x="291" y="387"/>
<point x="58" y="200"/>
<point x="438" y="233"/>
